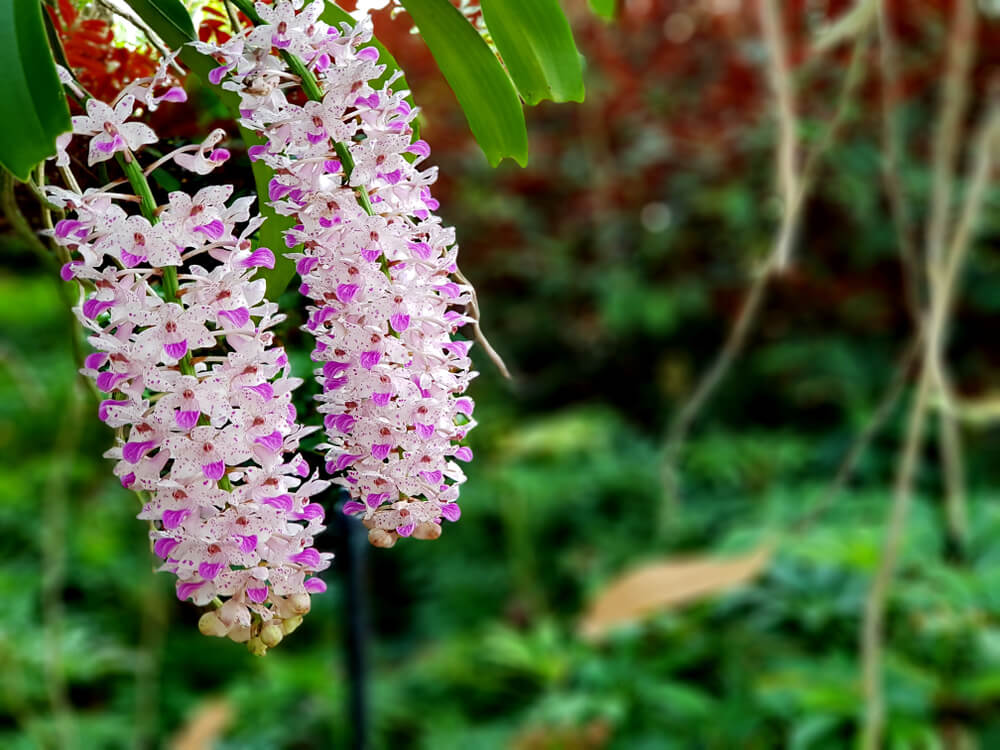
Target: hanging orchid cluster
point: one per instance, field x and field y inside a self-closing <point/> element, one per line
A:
<point x="195" y="384"/>
<point x="377" y="264"/>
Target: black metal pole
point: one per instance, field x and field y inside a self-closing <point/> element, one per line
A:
<point x="352" y="549"/>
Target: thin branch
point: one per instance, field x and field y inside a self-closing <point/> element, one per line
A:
<point x="950" y="447"/>
<point x="781" y="82"/>
<point x="145" y="30"/>
<point x="874" y="614"/>
<point x="882" y="411"/>
<point x="892" y="149"/>
<point x="948" y="126"/>
<point x="942" y="279"/>
<point x="477" y="328"/>
<point x="681" y="423"/>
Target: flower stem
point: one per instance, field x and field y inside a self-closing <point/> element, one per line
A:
<point x="147" y="204"/>
<point x="311" y="86"/>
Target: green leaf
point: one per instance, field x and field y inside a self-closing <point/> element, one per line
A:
<point x="271" y="232"/>
<point x="606" y="9"/>
<point x="482" y="87"/>
<point x="32" y="103"/>
<point x="168" y="18"/>
<point x="536" y="44"/>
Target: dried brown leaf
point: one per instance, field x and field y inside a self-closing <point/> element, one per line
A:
<point x="204" y="726"/>
<point x="666" y="584"/>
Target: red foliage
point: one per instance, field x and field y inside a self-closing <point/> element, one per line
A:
<point x="103" y="68"/>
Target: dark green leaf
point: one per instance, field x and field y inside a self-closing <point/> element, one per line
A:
<point x="168" y="18"/>
<point x="32" y="103"/>
<point x="484" y="90"/>
<point x="604" y="8"/>
<point x="536" y="43"/>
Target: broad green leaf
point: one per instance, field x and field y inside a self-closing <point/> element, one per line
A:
<point x="33" y="107"/>
<point x="606" y="9"/>
<point x="536" y="44"/>
<point x="482" y="87"/>
<point x="168" y="18"/>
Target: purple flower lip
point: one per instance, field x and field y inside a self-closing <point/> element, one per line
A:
<point x="283" y="503"/>
<point x="375" y="499"/>
<point x="308" y="558"/>
<point x="93" y="307"/>
<point x="174" y="518"/>
<point x="184" y="590"/>
<point x="215" y="75"/>
<point x="164" y="546"/>
<point x="107" y="380"/>
<point x="257" y="595"/>
<point x="370" y="359"/>
<point x="238" y="317"/>
<point x="353" y="506"/>
<point x="102" y="410"/>
<point x="305" y="265"/>
<point x="399" y="322"/>
<point x="213" y="229"/>
<point x="262" y="257"/>
<point x="271" y="442"/>
<point x="248" y="543"/>
<point x="264" y="390"/>
<point x="214" y="470"/>
<point x="340" y="422"/>
<point x="314" y="585"/>
<point x="176" y="350"/>
<point x="346" y="292"/>
<point x="133" y="452"/>
<point x="208" y="571"/>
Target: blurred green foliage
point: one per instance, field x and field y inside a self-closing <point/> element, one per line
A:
<point x="608" y="274"/>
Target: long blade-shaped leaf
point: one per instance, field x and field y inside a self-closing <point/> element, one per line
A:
<point x="482" y="87"/>
<point x="536" y="43"/>
<point x="169" y="19"/>
<point x="33" y="107"/>
<point x="604" y="8"/>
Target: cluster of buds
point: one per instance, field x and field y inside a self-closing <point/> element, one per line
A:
<point x="197" y="389"/>
<point x="376" y="263"/>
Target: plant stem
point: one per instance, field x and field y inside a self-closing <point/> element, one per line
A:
<point x="147" y="204"/>
<point x="311" y="86"/>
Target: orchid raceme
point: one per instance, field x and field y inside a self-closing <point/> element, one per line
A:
<point x="377" y="264"/>
<point x="195" y="385"/>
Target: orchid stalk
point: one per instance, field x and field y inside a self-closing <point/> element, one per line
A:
<point x="377" y="264"/>
<point x="197" y="388"/>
